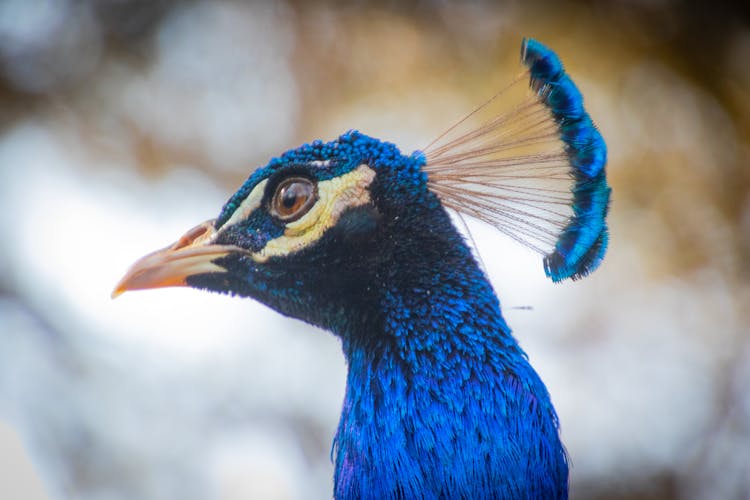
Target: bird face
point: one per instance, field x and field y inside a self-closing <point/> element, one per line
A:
<point x="300" y="235"/>
<point x="291" y="209"/>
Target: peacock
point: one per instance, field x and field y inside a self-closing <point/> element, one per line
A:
<point x="355" y="237"/>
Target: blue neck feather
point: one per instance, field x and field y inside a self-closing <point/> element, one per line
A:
<point x="450" y="409"/>
<point x="441" y="402"/>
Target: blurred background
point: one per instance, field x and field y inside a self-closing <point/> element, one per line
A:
<point x="124" y="123"/>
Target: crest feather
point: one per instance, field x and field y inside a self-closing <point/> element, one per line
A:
<point x="530" y="162"/>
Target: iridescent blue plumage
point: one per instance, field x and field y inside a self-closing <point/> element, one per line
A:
<point x="352" y="236"/>
<point x="440" y="402"/>
<point x="583" y="242"/>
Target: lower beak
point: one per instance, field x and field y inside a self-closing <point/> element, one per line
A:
<point x="194" y="253"/>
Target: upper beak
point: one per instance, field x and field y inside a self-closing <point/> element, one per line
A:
<point x="193" y="253"/>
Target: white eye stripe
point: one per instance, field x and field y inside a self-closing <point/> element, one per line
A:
<point x="319" y="163"/>
<point x="249" y="204"/>
<point x="335" y="196"/>
<point x="253" y="201"/>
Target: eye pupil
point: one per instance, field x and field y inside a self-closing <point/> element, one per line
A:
<point x="293" y="198"/>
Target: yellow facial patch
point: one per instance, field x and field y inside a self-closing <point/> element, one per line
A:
<point x="334" y="196"/>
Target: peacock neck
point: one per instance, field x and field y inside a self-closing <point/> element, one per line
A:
<point x="433" y="325"/>
<point x="441" y="401"/>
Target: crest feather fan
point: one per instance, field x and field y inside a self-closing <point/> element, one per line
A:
<point x="530" y="162"/>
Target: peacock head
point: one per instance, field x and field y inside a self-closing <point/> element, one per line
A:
<point x="325" y="231"/>
<point x="304" y="234"/>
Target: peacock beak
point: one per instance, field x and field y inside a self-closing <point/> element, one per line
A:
<point x="194" y="253"/>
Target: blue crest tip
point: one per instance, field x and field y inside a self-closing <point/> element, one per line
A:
<point x="582" y="244"/>
<point x="541" y="61"/>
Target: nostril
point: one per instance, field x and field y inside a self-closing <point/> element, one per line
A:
<point x="188" y="238"/>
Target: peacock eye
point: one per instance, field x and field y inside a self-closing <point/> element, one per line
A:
<point x="293" y="198"/>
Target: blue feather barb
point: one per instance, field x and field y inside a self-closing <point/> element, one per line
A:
<point x="534" y="168"/>
<point x="582" y="244"/>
